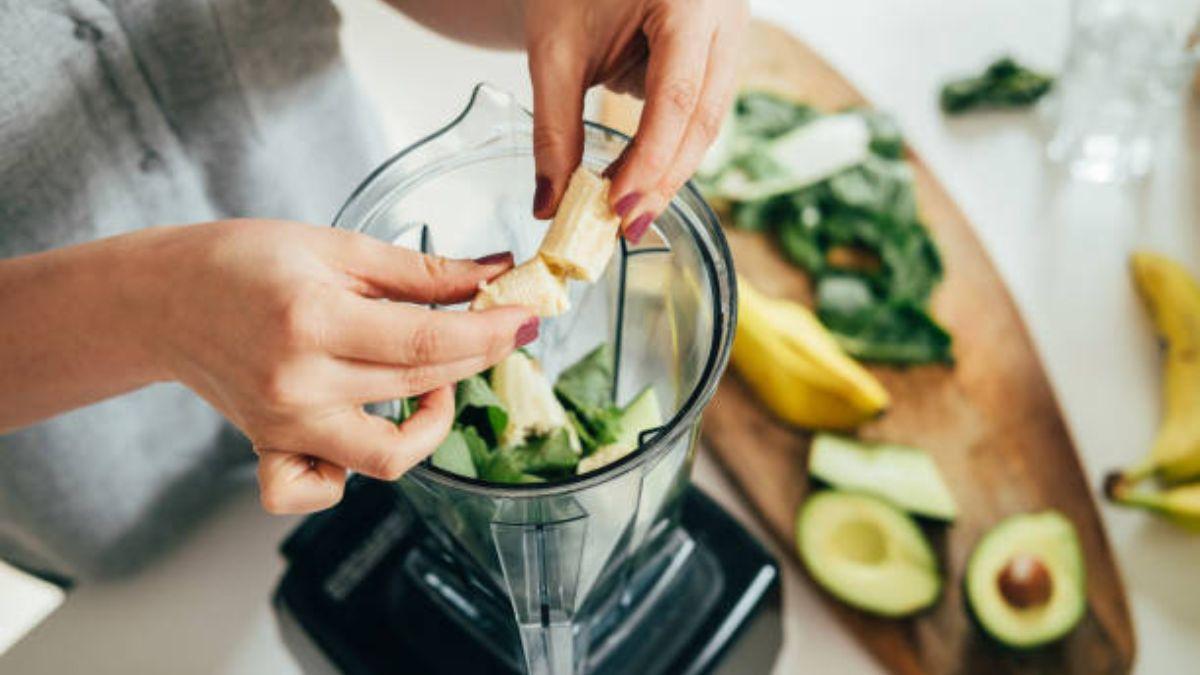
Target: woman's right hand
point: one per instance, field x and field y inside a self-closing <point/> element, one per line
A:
<point x="279" y="326"/>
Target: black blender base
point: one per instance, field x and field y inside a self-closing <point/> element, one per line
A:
<point x="343" y="605"/>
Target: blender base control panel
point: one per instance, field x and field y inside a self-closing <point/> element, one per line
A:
<point x="347" y="605"/>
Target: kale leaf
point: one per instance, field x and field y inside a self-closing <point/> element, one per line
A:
<point x="1004" y="84"/>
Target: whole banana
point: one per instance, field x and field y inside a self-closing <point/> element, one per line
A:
<point x="797" y="369"/>
<point x="1173" y="298"/>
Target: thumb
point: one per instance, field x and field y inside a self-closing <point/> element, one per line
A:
<point x="557" y="75"/>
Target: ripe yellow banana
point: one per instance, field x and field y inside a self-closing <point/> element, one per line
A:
<point x="578" y="245"/>
<point x="531" y="284"/>
<point x="792" y="363"/>
<point x="1172" y="296"/>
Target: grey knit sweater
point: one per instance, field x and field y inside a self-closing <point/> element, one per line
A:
<point x="120" y="114"/>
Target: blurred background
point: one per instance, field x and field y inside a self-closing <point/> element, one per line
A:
<point x="1061" y="244"/>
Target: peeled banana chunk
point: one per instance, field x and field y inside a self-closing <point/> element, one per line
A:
<point x="530" y="284"/>
<point x="578" y="245"/>
<point x="583" y="234"/>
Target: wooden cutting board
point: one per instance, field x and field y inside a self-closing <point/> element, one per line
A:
<point x="991" y="421"/>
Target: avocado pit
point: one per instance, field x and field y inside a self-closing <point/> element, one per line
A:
<point x="1025" y="582"/>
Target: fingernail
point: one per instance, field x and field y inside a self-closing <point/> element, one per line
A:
<point x="636" y="229"/>
<point x="495" y="258"/>
<point x="541" y="195"/>
<point x="625" y="204"/>
<point x="528" y="332"/>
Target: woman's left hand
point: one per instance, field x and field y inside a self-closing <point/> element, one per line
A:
<point x="680" y="55"/>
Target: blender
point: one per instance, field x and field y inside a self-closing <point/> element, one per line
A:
<point x="592" y="573"/>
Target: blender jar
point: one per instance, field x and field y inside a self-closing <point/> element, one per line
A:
<point x="573" y="560"/>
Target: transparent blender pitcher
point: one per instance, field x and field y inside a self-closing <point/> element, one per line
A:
<point x="575" y="562"/>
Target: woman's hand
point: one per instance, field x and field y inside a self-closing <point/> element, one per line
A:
<point x="680" y="55"/>
<point x="278" y="325"/>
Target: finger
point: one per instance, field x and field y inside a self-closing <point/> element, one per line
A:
<point x="557" y="74"/>
<point x="370" y="383"/>
<point x="674" y="80"/>
<point x="408" y="335"/>
<point x="376" y="446"/>
<point x="705" y="123"/>
<point x="385" y="270"/>
<point x="292" y="483"/>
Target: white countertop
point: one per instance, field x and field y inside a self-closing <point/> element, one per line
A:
<point x="1061" y="247"/>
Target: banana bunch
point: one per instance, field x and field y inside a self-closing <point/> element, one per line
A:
<point x="1172" y="297"/>
<point x="795" y="366"/>
<point x="578" y="245"/>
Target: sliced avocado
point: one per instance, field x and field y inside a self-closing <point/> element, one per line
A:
<point x="907" y="477"/>
<point x="1025" y="580"/>
<point x="867" y="553"/>
<point x="454" y="455"/>
<point x="641" y="414"/>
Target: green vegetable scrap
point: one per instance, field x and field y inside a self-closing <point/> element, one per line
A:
<point x="855" y="231"/>
<point x="1005" y="84"/>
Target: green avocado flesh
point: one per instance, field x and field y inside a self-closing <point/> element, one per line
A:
<point x="867" y="553"/>
<point x="1050" y="538"/>
<point x="905" y="476"/>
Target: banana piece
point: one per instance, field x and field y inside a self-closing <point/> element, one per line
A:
<point x="529" y="398"/>
<point x="531" y="284"/>
<point x="1172" y="296"/>
<point x="578" y="245"/>
<point x="797" y="369"/>
<point x="583" y="234"/>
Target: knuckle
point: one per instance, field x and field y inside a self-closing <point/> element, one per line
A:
<point x="280" y="389"/>
<point x="299" y="319"/>
<point x="389" y="465"/>
<point x="708" y="121"/>
<point x="418" y="380"/>
<point x="549" y="138"/>
<point x="272" y="501"/>
<point x="424" y="344"/>
<point x="681" y="95"/>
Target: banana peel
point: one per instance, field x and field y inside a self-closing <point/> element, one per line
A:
<point x="1172" y="297"/>
<point x="797" y="369"/>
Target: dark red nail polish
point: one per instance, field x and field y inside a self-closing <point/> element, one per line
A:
<point x="495" y="258"/>
<point x="625" y="204"/>
<point x="638" y="228"/>
<point x="541" y="195"/>
<point x="528" y="332"/>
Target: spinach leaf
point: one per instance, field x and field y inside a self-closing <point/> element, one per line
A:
<point x="586" y="386"/>
<point x="550" y="456"/>
<point x="503" y="467"/>
<point x="476" y="405"/>
<point x="912" y="263"/>
<point x="886" y="139"/>
<point x="454" y="455"/>
<point x="1004" y="84"/>
<point x="481" y="454"/>
<point x="767" y="116"/>
<point x="878" y="186"/>
<point x="893" y="332"/>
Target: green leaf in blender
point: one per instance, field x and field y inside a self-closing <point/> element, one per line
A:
<point x="586" y="386"/>
<point x="549" y="456"/>
<point x="454" y="455"/>
<point x="1004" y="84"/>
<point x="476" y="405"/>
<point x="502" y="467"/>
<point x="641" y="414"/>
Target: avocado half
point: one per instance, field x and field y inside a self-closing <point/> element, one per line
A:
<point x="867" y="553"/>
<point x="1025" y="580"/>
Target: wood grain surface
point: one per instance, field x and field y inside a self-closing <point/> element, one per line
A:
<point x="991" y="422"/>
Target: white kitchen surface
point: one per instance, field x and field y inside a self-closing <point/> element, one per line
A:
<point x="1061" y="247"/>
